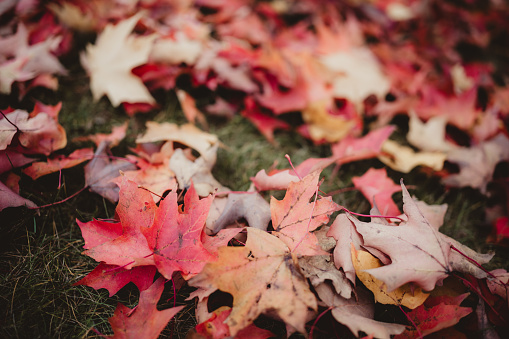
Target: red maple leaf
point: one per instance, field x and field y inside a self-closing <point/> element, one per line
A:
<point x="113" y="278"/>
<point x="136" y="210"/>
<point x="378" y="188"/>
<point x="175" y="236"/>
<point x="216" y="328"/>
<point x="266" y="124"/>
<point x="145" y="321"/>
<point x="435" y="314"/>
<point x="353" y="149"/>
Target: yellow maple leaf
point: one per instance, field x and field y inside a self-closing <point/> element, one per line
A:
<point x="402" y="296"/>
<point x="404" y="159"/>
<point x="323" y="125"/>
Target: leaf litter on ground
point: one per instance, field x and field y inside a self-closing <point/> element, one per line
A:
<point x="298" y="69"/>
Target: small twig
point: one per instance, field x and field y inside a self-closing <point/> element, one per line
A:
<point x="146" y="189"/>
<point x="118" y="267"/>
<point x="240" y="242"/>
<point x="59" y="178"/>
<point x="61" y="201"/>
<point x="132" y="311"/>
<point x="234" y="192"/>
<point x="96" y="331"/>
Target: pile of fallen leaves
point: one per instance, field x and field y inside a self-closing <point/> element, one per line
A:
<point x="337" y="72"/>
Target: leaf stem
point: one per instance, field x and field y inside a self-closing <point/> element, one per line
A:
<point x="373" y="216"/>
<point x="477" y="264"/>
<point x="342" y="190"/>
<point x="291" y="164"/>
<point x="234" y="192"/>
<point x="96" y="331"/>
<point x="479" y="293"/>
<point x="419" y="333"/>
<point x="316" y="320"/>
<point x="61" y="201"/>
<point x="146" y="189"/>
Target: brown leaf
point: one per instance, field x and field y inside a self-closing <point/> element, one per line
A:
<point x="319" y="268"/>
<point x="357" y="313"/>
<point x="344" y="232"/>
<point x="477" y="163"/>
<point x="100" y="171"/>
<point x="263" y="277"/>
<point x="249" y="205"/>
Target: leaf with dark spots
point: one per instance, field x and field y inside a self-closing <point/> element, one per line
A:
<point x="295" y="217"/>
<point x="435" y="314"/>
<point x="269" y="281"/>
